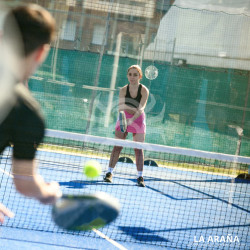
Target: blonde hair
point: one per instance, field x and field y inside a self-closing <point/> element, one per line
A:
<point x="137" y="67"/>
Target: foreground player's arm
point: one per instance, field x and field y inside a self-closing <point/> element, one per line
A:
<point x="4" y="211"/>
<point x="142" y="105"/>
<point x="30" y="184"/>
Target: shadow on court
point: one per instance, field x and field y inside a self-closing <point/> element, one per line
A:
<point x="84" y="184"/>
<point x="142" y="234"/>
<point x="133" y="231"/>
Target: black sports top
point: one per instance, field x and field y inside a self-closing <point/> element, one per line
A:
<point x="24" y="125"/>
<point x="133" y="102"/>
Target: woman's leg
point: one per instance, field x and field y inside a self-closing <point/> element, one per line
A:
<point x="114" y="156"/>
<point x="116" y="150"/>
<point x="139" y="156"/>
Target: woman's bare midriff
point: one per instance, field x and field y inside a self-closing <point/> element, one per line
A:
<point x="130" y="110"/>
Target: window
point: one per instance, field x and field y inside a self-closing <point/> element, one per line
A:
<point x="98" y="35"/>
<point x="68" y="31"/>
<point x="71" y="3"/>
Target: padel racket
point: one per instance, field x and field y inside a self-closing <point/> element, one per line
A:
<point x="85" y="212"/>
<point x="123" y="121"/>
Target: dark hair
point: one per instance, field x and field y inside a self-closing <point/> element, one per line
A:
<point x="35" y="24"/>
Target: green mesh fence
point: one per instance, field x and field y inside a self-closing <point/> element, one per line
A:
<point x="188" y="106"/>
<point x="200" y="98"/>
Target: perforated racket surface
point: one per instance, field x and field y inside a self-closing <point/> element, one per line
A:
<point x="85" y="212"/>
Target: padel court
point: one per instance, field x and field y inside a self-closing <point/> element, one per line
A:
<point x="176" y="210"/>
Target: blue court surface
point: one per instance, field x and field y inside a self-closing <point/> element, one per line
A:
<point x="178" y="209"/>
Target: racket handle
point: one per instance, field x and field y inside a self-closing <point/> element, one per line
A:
<point x="123" y="121"/>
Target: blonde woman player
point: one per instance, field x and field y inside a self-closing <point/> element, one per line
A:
<point x="132" y="100"/>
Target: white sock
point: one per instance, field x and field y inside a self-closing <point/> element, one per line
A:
<point x="110" y="170"/>
<point x="140" y="174"/>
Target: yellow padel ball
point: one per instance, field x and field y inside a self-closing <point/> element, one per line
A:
<point x="92" y="169"/>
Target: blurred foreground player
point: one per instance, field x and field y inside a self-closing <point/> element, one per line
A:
<point x="23" y="127"/>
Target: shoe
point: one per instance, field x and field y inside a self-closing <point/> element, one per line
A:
<point x="108" y="177"/>
<point x="140" y="182"/>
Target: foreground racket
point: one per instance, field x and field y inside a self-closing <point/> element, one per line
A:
<point x="85" y="212"/>
<point x="123" y="121"/>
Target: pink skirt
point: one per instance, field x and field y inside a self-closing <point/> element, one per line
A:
<point x="137" y="127"/>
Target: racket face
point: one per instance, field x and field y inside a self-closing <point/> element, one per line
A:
<point x="85" y="212"/>
<point x="123" y="122"/>
<point x="151" y="72"/>
<point x="8" y="63"/>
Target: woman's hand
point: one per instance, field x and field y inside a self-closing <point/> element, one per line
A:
<point x="4" y="211"/>
<point x="129" y="121"/>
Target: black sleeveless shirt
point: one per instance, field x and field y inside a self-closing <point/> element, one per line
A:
<point x="24" y="125"/>
<point x="133" y="102"/>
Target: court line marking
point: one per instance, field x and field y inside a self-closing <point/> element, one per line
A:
<point x="170" y="182"/>
<point x="7" y="173"/>
<point x="160" y="165"/>
<point x="163" y="166"/>
<point x="109" y="240"/>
